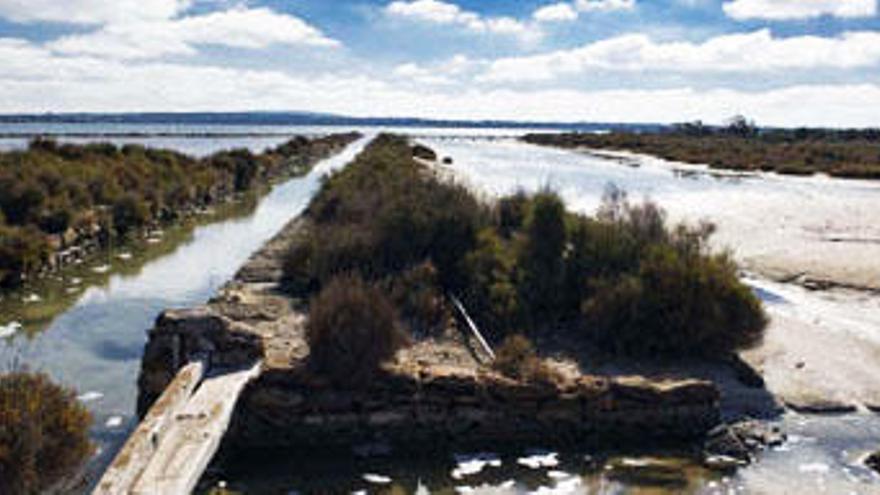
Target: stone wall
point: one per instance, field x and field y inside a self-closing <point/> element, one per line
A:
<point x="183" y="336"/>
<point x="430" y="405"/>
<point x="443" y="407"/>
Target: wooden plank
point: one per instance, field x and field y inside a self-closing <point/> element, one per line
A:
<point x="194" y="436"/>
<point x="473" y="328"/>
<point x="145" y="439"/>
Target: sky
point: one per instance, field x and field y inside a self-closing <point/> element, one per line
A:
<point x="780" y="62"/>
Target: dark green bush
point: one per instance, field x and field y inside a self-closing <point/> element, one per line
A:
<point x="511" y="212"/>
<point x="352" y="329"/>
<point x="22" y="250"/>
<point x="492" y="292"/>
<point x="419" y="300"/>
<point x="43" y="433"/>
<point x="129" y="213"/>
<point x="541" y="260"/>
<point x="675" y="305"/>
<point x="384" y="214"/>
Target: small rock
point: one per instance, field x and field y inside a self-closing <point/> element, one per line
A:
<point x="873" y="461"/>
<point x="723" y="441"/>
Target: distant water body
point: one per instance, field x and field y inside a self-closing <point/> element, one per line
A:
<point x="202" y="140"/>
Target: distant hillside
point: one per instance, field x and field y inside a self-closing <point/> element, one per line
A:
<point x="300" y="118"/>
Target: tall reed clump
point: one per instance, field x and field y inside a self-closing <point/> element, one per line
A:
<point x="43" y="433"/>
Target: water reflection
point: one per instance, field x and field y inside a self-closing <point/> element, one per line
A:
<point x="96" y="345"/>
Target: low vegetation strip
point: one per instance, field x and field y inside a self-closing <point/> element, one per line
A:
<point x="742" y="147"/>
<point x="56" y="197"/>
<point x="622" y="281"/>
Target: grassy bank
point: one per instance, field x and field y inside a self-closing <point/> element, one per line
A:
<point x="848" y="154"/>
<point x="622" y="281"/>
<point x="58" y="201"/>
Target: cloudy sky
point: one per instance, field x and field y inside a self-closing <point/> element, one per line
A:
<point x="782" y="62"/>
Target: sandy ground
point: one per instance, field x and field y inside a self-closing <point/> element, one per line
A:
<point x="814" y="228"/>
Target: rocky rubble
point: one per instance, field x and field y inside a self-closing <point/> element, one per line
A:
<point x="730" y="446"/>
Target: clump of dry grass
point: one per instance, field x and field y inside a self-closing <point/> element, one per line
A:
<point x="43" y="433"/>
<point x="352" y="329"/>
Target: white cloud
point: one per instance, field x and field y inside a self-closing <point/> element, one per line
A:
<point x="557" y="12"/>
<point x="444" y="73"/>
<point x="604" y="5"/>
<point x="90" y="11"/>
<point x="82" y="83"/>
<point x="238" y="27"/>
<point x="570" y="11"/>
<point x="445" y="13"/>
<point x="744" y="52"/>
<point x="799" y="9"/>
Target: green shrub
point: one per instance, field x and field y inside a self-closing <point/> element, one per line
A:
<point x="129" y="213"/>
<point x="419" y="300"/>
<point x="352" y="329"/>
<point x="541" y="261"/>
<point x="22" y="250"/>
<point x="491" y="294"/>
<point x="675" y="305"/>
<point x="43" y="433"/>
<point x="511" y="212"/>
<point x="382" y="215"/>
